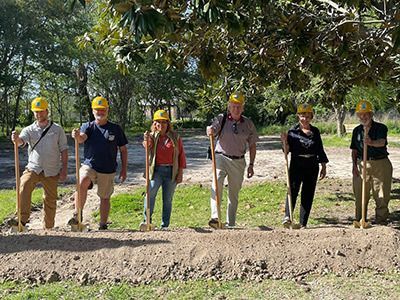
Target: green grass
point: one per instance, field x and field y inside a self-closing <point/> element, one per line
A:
<point x="8" y="200"/>
<point x="366" y="285"/>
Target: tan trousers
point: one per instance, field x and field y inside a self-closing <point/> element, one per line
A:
<point x="234" y="170"/>
<point x="379" y="180"/>
<point x="29" y="179"/>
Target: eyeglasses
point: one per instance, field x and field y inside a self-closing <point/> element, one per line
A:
<point x="235" y="128"/>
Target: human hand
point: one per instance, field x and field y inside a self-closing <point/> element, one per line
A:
<point x="122" y="175"/>
<point x="75" y="133"/>
<point x="322" y="174"/>
<point x="14" y="136"/>
<point x="210" y="130"/>
<point x="179" y="177"/>
<point x="250" y="171"/>
<point x="356" y="173"/>
<point x="63" y="174"/>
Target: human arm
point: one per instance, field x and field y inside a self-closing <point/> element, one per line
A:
<point x="322" y="173"/>
<point x="124" y="162"/>
<point x="354" y="153"/>
<point x="252" y="154"/>
<point x="181" y="161"/>
<point x="64" y="165"/>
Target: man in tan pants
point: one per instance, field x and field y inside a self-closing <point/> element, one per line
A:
<point x="378" y="167"/>
<point x="47" y="163"/>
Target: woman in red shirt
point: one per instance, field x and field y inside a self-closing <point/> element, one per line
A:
<point x="167" y="161"/>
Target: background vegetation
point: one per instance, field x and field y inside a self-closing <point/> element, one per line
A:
<point x="188" y="56"/>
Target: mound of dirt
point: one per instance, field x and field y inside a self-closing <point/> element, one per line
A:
<point x="184" y="254"/>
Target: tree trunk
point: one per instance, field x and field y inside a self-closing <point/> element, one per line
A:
<point x="21" y="85"/>
<point x="84" y="100"/>
<point x="340" y="112"/>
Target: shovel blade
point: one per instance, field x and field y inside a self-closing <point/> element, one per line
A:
<point x="356" y="224"/>
<point x="16" y="229"/>
<point x="79" y="228"/>
<point x="365" y="225"/>
<point x="146" y="227"/>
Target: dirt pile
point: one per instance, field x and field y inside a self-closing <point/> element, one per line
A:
<point x="196" y="253"/>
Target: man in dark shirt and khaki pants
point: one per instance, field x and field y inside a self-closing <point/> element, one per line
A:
<point x="378" y="167"/>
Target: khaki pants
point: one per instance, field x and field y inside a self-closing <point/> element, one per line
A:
<point x="379" y="180"/>
<point x="234" y="169"/>
<point x="29" y="179"/>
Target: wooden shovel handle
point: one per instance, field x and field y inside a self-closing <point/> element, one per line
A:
<point x="214" y="169"/>
<point x="17" y="185"/>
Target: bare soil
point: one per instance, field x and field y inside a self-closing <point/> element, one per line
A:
<point x="190" y="253"/>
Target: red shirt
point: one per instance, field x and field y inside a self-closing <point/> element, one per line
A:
<point x="165" y="152"/>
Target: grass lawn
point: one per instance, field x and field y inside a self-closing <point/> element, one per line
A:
<point x="362" y="286"/>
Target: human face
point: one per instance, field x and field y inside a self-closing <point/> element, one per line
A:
<point x="235" y="110"/>
<point x="100" y="114"/>
<point x="41" y="116"/>
<point x="161" y="126"/>
<point x="365" y="118"/>
<point x="305" y="119"/>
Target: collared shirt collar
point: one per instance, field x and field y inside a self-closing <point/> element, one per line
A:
<point x="230" y="118"/>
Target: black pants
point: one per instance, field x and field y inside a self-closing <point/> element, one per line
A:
<point x="303" y="171"/>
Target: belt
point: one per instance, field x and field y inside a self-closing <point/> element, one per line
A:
<point x="377" y="157"/>
<point x="164" y="165"/>
<point x="306" y="155"/>
<point x="230" y="156"/>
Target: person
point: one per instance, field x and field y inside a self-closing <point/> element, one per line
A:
<point x="167" y="161"/>
<point x="47" y="162"/>
<point x="304" y="143"/>
<point x="102" y="139"/>
<point x="234" y="133"/>
<point x="378" y="167"/>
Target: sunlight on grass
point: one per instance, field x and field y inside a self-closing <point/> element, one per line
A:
<point x="364" y="285"/>
<point x="8" y="200"/>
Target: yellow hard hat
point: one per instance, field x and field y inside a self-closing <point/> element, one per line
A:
<point x="236" y="97"/>
<point x="39" y="104"/>
<point x="160" y="115"/>
<point x="304" y="108"/>
<point x="363" y="106"/>
<point x="99" y="103"/>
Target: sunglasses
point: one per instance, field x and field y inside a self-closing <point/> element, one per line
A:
<point x="235" y="128"/>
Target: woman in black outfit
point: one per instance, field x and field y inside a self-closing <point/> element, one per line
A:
<point x="304" y="142"/>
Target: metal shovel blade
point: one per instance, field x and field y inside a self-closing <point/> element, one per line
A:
<point x="79" y="228"/>
<point x="146" y="227"/>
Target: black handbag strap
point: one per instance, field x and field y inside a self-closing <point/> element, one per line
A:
<point x="42" y="135"/>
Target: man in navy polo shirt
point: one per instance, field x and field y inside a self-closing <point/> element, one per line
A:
<point x="102" y="139"/>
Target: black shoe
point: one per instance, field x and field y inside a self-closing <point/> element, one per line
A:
<point x="213" y="223"/>
<point x="103" y="226"/>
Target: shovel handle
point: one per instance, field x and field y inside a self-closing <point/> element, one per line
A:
<point x="78" y="182"/>
<point x="289" y="192"/>
<point x="214" y="169"/>
<point x="364" y="178"/>
<point x="147" y="174"/>
<point x="17" y="186"/>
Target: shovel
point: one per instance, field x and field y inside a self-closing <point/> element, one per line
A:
<point x="289" y="192"/>
<point x="363" y="223"/>
<point x="147" y="226"/>
<point x="19" y="227"/>
<point x="214" y="167"/>
<point x="78" y="227"/>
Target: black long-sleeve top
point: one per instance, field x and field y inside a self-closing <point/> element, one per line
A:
<point x="303" y="144"/>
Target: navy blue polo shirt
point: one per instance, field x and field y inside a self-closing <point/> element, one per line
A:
<point x="101" y="146"/>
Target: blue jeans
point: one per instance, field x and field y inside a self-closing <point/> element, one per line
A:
<point x="162" y="177"/>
